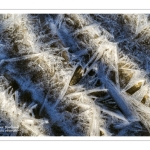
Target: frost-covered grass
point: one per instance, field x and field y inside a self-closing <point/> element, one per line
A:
<point x="19" y="117"/>
<point x="75" y="74"/>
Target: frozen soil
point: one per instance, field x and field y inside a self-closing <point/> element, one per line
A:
<point x="74" y="75"/>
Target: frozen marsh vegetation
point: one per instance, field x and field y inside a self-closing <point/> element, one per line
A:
<point x="74" y="75"/>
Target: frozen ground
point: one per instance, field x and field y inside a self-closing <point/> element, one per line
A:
<point x="74" y="75"/>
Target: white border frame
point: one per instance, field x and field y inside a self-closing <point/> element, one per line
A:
<point x="79" y="11"/>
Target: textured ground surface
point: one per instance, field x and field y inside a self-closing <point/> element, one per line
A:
<point x="74" y="75"/>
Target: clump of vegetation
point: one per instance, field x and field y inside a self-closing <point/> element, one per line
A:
<point x="75" y="74"/>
